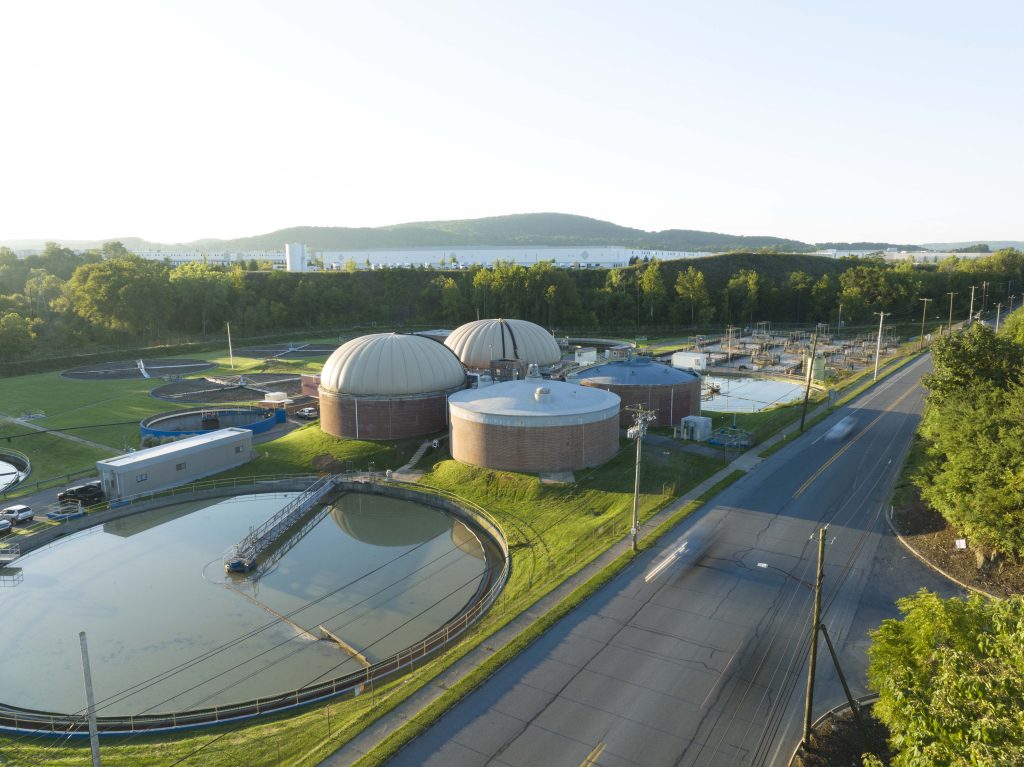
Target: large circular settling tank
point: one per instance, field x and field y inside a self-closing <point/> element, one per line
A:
<point x="671" y="394"/>
<point x="388" y="386"/>
<point x="534" y="425"/>
<point x="372" y="576"/>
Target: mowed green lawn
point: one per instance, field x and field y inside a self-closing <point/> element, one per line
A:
<point x="106" y="413"/>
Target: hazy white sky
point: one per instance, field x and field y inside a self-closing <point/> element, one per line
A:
<point x="898" y="121"/>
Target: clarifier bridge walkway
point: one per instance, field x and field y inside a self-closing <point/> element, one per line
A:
<point x="261" y="538"/>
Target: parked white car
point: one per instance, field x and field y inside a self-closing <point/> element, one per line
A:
<point x="16" y="514"/>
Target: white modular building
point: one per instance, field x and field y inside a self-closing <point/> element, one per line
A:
<point x="176" y="463"/>
<point x="690" y="361"/>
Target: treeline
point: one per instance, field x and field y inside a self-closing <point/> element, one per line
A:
<point x="62" y="300"/>
<point x="949" y="673"/>
<point x="973" y="431"/>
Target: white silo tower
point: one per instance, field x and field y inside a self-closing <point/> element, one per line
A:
<point x="295" y="256"/>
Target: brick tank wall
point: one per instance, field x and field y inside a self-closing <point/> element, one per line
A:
<point x="554" y="448"/>
<point x="381" y="419"/>
<point x="669" y="402"/>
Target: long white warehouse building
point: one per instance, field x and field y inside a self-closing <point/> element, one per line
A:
<point x="176" y="463"/>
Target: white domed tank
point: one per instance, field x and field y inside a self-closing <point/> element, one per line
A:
<point x="388" y="386"/>
<point x="481" y="343"/>
<point x="534" y="426"/>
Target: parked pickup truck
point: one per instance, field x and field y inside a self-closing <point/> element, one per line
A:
<point x="87" y="494"/>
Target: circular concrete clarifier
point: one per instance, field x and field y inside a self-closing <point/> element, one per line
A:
<point x="151" y="592"/>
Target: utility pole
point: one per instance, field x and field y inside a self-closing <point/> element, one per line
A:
<point x="984" y="297"/>
<point x="815" y="623"/>
<point x="999" y="309"/>
<point x="924" y="309"/>
<point x="878" y="346"/>
<point x="839" y="324"/>
<point x="231" y="353"/>
<point x="1010" y="307"/>
<point x="950" y="328"/>
<point x="94" y="738"/>
<point x="641" y="419"/>
<point x="810" y="375"/>
<point x="970" y="312"/>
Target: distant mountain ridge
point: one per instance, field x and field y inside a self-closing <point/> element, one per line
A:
<point x="519" y="230"/>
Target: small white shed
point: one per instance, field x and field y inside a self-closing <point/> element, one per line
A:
<point x="690" y="361"/>
<point x="695" y="427"/>
<point x="176" y="463"/>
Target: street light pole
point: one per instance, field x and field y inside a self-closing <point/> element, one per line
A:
<point x="950" y="328"/>
<point x="999" y="309"/>
<point x="839" y="324"/>
<point x="923" y="310"/>
<point x="878" y="346"/>
<point x="970" y="312"/>
<point x="94" y="740"/>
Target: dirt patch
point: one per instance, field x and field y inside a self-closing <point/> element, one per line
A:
<point x="932" y="537"/>
<point x="128" y="369"/>
<point x="838" y="742"/>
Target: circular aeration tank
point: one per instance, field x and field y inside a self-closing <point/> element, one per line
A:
<point x="388" y="386"/>
<point x="672" y="394"/>
<point x="534" y="426"/>
<point x="479" y="343"/>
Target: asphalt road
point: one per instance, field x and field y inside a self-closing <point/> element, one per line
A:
<point x="696" y="654"/>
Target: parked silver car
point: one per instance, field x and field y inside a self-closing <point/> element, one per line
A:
<point x="16" y="514"/>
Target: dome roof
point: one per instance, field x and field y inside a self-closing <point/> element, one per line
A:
<point x="638" y="371"/>
<point x="392" y="364"/>
<point x="478" y="343"/>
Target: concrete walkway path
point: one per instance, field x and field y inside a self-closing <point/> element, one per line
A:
<point x="61" y="434"/>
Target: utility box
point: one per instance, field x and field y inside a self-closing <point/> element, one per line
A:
<point x="176" y="463"/>
<point x="695" y="427"/>
<point x="690" y="361"/>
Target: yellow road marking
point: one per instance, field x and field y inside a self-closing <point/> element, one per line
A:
<point x="849" y="444"/>
<point x="593" y="755"/>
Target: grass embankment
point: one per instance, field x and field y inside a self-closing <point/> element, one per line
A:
<point x="552" y="531"/>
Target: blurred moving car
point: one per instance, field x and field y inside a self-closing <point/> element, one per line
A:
<point x="5" y="525"/>
<point x="842" y="429"/>
<point x="309" y="413"/>
<point x="86" y="494"/>
<point x="17" y="513"/>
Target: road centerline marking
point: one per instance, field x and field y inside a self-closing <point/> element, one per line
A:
<point x="849" y="444"/>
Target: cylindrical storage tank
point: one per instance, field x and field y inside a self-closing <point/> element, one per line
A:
<point x="672" y="394"/>
<point x="534" y="426"/>
<point x="479" y="343"/>
<point x="388" y="386"/>
<point x="295" y="257"/>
